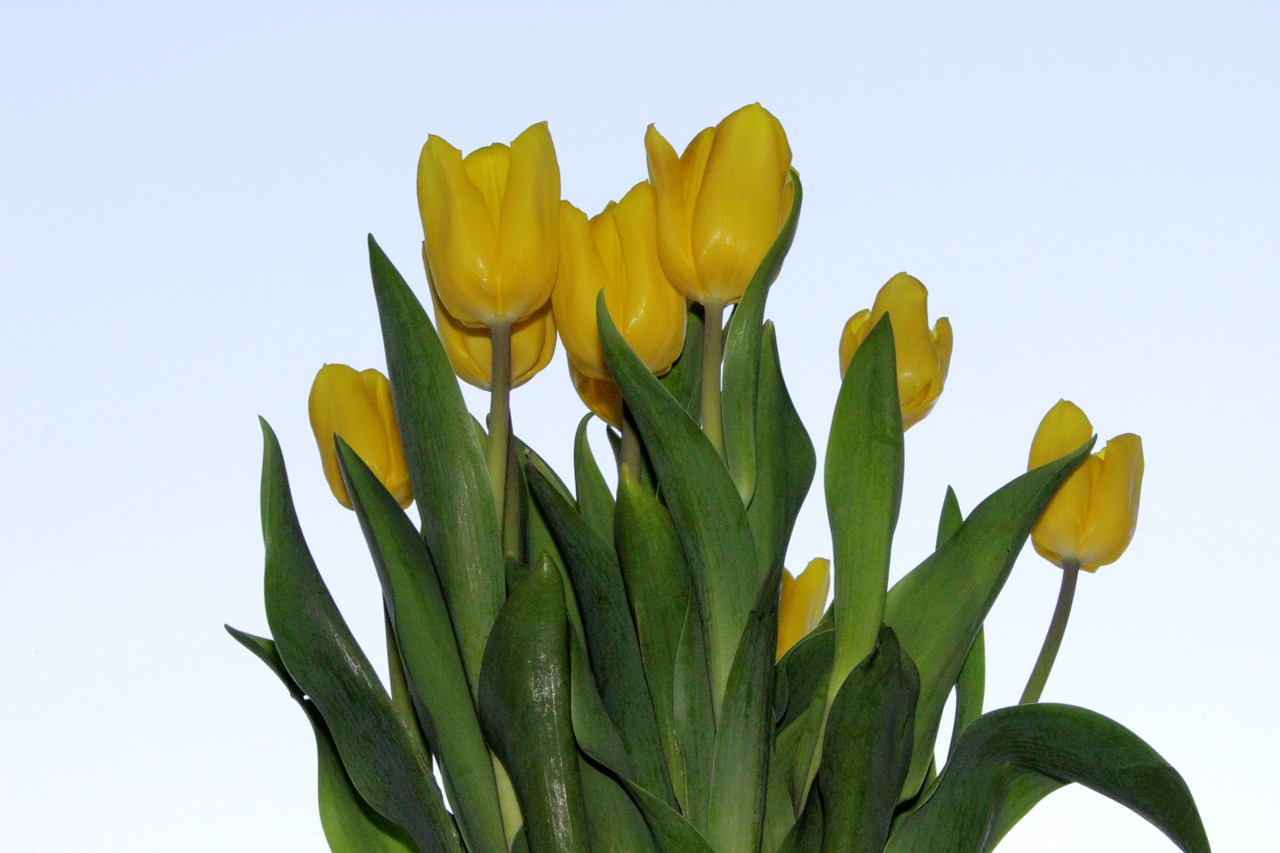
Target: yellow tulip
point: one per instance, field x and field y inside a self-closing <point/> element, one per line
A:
<point x="357" y="406"/>
<point x="721" y="203"/>
<point x="492" y="226"/>
<point x="617" y="252"/>
<point x="802" y="603"/>
<point x="923" y="355"/>
<point x="601" y="396"/>
<point x="470" y="348"/>
<point x="1091" y="519"/>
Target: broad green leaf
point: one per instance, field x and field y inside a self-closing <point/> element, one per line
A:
<point x="742" y="356"/>
<point x="804" y="672"/>
<point x="867" y="749"/>
<point x="744" y="733"/>
<point x="657" y="584"/>
<point x="614" y="820"/>
<point x="1010" y="759"/>
<point x="350" y="825"/>
<point x="323" y="658"/>
<point x="684" y="380"/>
<point x="694" y="717"/>
<point x="703" y="501"/>
<point x="971" y="683"/>
<point x="424" y="637"/>
<point x="671" y="830"/>
<point x="595" y="503"/>
<point x="612" y="644"/>
<point x="785" y="461"/>
<point x="863" y="478"/>
<point x="447" y="467"/>
<point x="525" y="709"/>
<point x="938" y="607"/>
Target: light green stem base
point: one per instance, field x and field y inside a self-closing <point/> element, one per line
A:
<point x="712" y="354"/>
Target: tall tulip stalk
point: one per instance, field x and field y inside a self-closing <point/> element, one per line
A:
<point x="631" y="668"/>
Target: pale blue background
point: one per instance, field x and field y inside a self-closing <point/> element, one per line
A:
<point x="1090" y="192"/>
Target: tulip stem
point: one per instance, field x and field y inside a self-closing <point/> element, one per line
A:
<point x="712" y="353"/>
<point x="629" y="451"/>
<point x="1053" y="639"/>
<point x="500" y="415"/>
<point x="400" y="697"/>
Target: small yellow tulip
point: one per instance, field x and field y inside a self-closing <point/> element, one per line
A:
<point x="357" y="406"/>
<point x="802" y="603"/>
<point x="1091" y="519"/>
<point x="923" y="355"/>
<point x="601" y="396"/>
<point x="492" y="226"/>
<point x="721" y="203"/>
<point x="617" y="252"/>
<point x="470" y="348"/>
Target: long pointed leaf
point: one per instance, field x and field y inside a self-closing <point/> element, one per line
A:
<point x="446" y="465"/>
<point x="1010" y="759"/>
<point x="594" y="501"/>
<point x="323" y="658"/>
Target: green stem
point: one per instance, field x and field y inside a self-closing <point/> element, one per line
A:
<point x="712" y="346"/>
<point x="1053" y="639"/>
<point x="629" y="457"/>
<point x="400" y="698"/>
<point x="499" y="415"/>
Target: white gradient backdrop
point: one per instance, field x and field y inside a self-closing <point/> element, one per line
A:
<point x="1090" y="193"/>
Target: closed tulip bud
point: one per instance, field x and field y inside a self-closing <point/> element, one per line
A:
<point x="1091" y="519"/>
<point x="601" y="396"/>
<point x="470" y="348"/>
<point x="617" y="252"/>
<point x="492" y="226"/>
<point x="721" y="203"/>
<point x="802" y="603"/>
<point x="357" y="406"/>
<point x="923" y="355"/>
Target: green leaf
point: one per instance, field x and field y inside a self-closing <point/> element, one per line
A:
<point x="673" y="833"/>
<point x="614" y="820"/>
<point x="594" y="500"/>
<point x="744" y="733"/>
<point x="612" y="644"/>
<point x="863" y="480"/>
<point x="323" y="658"/>
<point x="867" y="749"/>
<point x="350" y="825"/>
<point x="1010" y="759"/>
<point x="525" y="709"/>
<point x="971" y="683"/>
<point x="424" y="637"/>
<point x="703" y="501"/>
<point x="938" y="607"/>
<point x="742" y="356"/>
<point x="694" y="717"/>
<point x="684" y="380"/>
<point x="447" y="467"/>
<point x="658" y="590"/>
<point x="785" y="461"/>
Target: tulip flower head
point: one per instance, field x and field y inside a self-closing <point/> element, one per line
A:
<point x="1091" y="519"/>
<point x="357" y="406"/>
<point x="720" y="204"/>
<point x="617" y="252"/>
<point x="492" y="227"/>
<point x="602" y="396"/>
<point x="923" y="354"/>
<point x="803" y="600"/>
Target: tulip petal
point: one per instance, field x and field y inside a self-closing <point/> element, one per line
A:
<point x="528" y="228"/>
<point x="1113" y="511"/>
<point x="855" y="332"/>
<point x="673" y="207"/>
<point x="581" y="276"/>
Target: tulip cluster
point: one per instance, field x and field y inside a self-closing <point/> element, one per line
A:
<point x="632" y="667"/>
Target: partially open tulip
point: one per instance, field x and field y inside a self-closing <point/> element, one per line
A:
<point x="492" y="226"/>
<point x="1091" y="519"/>
<point x="721" y="203"/>
<point x="923" y="354"/>
<point x="802" y="603"/>
<point x="357" y="406"/>
<point x="617" y="252"/>
<point x="470" y="348"/>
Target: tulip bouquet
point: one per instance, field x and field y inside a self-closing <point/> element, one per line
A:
<point x="633" y="669"/>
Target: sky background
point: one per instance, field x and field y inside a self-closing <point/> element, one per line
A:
<point x="1088" y="190"/>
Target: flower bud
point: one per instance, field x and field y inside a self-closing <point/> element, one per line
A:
<point x="1091" y="519"/>
<point x="721" y="203"/>
<point x="617" y="252"/>
<point x="802" y="603"/>
<point x="470" y="348"/>
<point x="357" y="406"/>
<point x="923" y="356"/>
<point x="492" y="226"/>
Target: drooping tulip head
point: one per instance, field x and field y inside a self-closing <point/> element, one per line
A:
<point x="357" y="406"/>
<point x="1092" y="517"/>
<point x="923" y="354"/>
